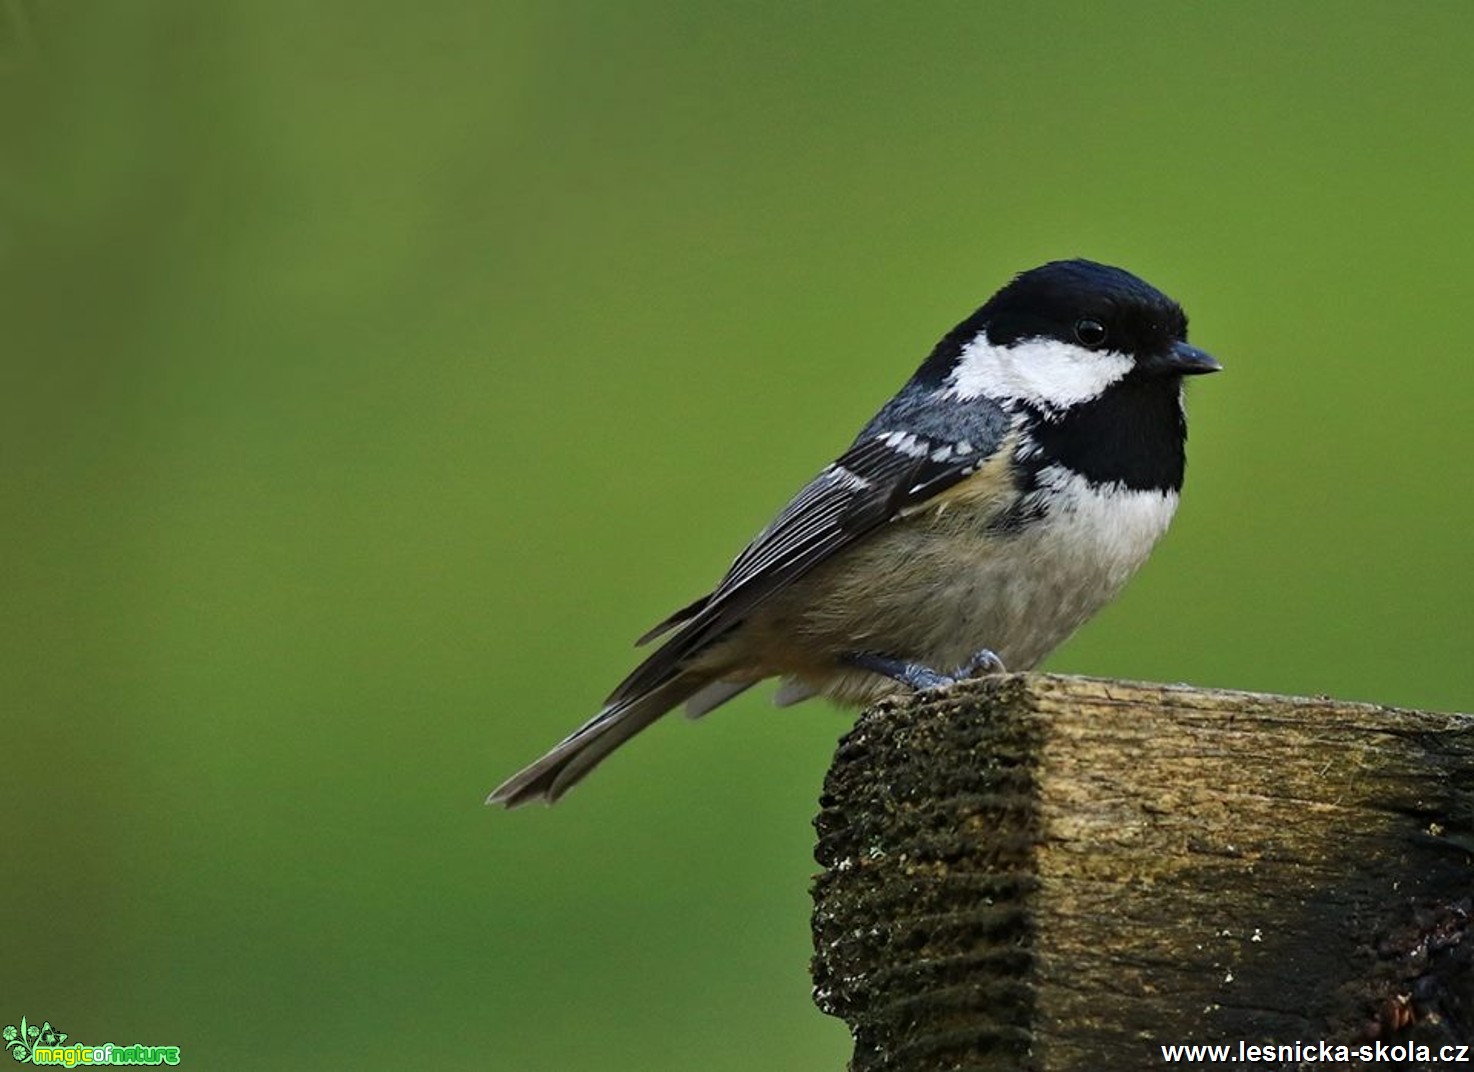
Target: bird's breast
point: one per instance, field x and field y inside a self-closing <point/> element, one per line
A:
<point x="947" y="580"/>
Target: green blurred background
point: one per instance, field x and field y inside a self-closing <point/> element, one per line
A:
<point x="374" y="373"/>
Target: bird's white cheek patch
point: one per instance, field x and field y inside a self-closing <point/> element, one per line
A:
<point x="1046" y="373"/>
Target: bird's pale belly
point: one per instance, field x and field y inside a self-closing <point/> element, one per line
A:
<point x="938" y="586"/>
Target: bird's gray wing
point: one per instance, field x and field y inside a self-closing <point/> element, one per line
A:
<point x="884" y="474"/>
<point x="915" y="449"/>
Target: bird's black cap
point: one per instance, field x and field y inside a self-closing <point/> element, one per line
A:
<point x="1055" y="299"/>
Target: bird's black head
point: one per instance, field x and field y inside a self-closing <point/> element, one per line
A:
<point x="1092" y="357"/>
<point x="1055" y="316"/>
<point x="1092" y="305"/>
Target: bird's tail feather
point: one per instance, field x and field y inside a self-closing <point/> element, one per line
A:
<point x="582" y="750"/>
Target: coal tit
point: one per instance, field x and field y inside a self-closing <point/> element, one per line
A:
<point x="1001" y="498"/>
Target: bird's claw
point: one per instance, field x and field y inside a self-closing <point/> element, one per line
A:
<point x="982" y="661"/>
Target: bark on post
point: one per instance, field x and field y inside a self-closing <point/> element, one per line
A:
<point x="1051" y="873"/>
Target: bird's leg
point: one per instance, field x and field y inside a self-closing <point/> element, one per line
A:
<point x="918" y="676"/>
<point x="912" y="675"/>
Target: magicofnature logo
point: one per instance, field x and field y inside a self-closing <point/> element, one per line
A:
<point x="45" y="1045"/>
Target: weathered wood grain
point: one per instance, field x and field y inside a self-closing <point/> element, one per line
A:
<point x="1057" y="873"/>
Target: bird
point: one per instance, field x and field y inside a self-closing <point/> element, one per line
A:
<point x="1004" y="495"/>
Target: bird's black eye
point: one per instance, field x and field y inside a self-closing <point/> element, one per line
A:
<point x="1090" y="332"/>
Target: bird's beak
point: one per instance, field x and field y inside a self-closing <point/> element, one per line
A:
<point x="1185" y="360"/>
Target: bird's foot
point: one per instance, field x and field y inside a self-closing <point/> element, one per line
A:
<point x="918" y="676"/>
<point x="983" y="661"/>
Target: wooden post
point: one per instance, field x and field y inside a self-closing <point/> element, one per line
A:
<point x="1050" y="873"/>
